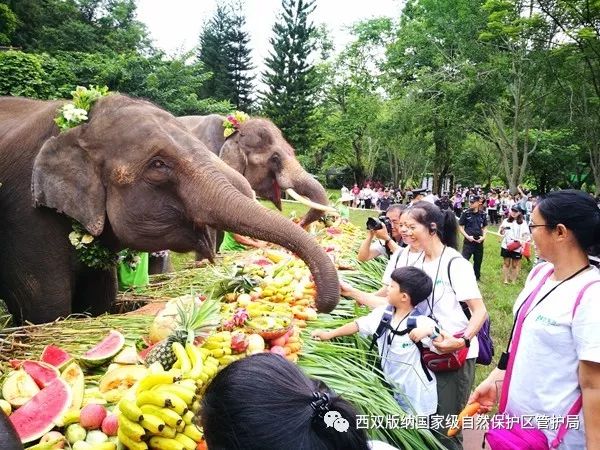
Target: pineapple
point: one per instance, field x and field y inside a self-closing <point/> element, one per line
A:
<point x="192" y="321"/>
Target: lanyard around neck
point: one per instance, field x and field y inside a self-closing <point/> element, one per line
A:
<point x="437" y="272"/>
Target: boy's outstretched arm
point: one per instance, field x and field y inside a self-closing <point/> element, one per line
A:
<point x="344" y="330"/>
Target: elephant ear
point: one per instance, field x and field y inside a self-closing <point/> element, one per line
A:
<point x="66" y="178"/>
<point x="233" y="155"/>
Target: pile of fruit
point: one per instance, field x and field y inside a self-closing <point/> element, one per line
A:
<point x="112" y="396"/>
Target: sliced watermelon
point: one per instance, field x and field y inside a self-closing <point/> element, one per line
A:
<point x="42" y="373"/>
<point x="55" y="356"/>
<point x="36" y="417"/>
<point x="104" y="351"/>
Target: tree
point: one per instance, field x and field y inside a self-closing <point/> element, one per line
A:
<point x="8" y="24"/>
<point x="433" y="59"/>
<point x="518" y="42"/>
<point x="77" y="25"/>
<point x="225" y="54"/>
<point x="290" y="79"/>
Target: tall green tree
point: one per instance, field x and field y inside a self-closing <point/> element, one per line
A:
<point x="225" y="53"/>
<point x="77" y="25"/>
<point x="290" y="79"/>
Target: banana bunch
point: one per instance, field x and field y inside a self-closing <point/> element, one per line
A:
<point x="218" y="344"/>
<point x="264" y="308"/>
<point x="159" y="412"/>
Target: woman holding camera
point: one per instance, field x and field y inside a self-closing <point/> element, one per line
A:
<point x="454" y="283"/>
<point x="515" y="234"/>
<point x="553" y="365"/>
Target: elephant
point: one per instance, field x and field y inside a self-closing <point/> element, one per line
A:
<point x="259" y="151"/>
<point x="134" y="177"/>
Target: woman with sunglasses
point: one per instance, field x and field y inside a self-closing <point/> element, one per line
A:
<point x="552" y="367"/>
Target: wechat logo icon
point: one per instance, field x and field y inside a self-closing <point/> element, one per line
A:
<point x="334" y="419"/>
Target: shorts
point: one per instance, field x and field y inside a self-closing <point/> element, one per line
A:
<point x="508" y="254"/>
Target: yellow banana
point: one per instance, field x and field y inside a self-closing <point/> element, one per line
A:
<point x="182" y="356"/>
<point x="193" y="432"/>
<point x="168" y="432"/>
<point x="130" y="410"/>
<point x="204" y="352"/>
<point x="181" y="427"/>
<point x="196" y="359"/>
<point x="188" y="417"/>
<point x="195" y="406"/>
<point x="188" y="443"/>
<point x="213" y="345"/>
<point x="168" y="416"/>
<point x="225" y="360"/>
<point x="179" y="391"/>
<point x="153" y="423"/>
<point x="129" y="443"/>
<point x="158" y="398"/>
<point x="151" y="380"/>
<point x="177" y="404"/>
<point x="104" y="446"/>
<point x="188" y="383"/>
<point x="131" y="429"/>
<point x="176" y="364"/>
<point x="218" y="352"/>
<point x="162" y="443"/>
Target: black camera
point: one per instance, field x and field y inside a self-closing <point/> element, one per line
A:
<point x="377" y="224"/>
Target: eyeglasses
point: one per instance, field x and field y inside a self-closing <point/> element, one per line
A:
<point x="531" y="226"/>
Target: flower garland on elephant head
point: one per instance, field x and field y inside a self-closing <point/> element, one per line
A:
<point x="233" y="121"/>
<point x="89" y="249"/>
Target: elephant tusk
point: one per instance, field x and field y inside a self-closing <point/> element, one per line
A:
<point x="305" y="201"/>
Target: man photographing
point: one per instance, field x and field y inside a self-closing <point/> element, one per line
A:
<point x="385" y="244"/>
<point x="473" y="226"/>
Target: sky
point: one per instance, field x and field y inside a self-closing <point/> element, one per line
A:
<point x="175" y="25"/>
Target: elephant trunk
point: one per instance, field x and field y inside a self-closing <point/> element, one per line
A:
<point x="295" y="177"/>
<point x="230" y="210"/>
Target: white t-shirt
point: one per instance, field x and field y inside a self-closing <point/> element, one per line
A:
<point x="378" y="248"/>
<point x="545" y="373"/>
<point x="402" y="257"/>
<point x="446" y="307"/>
<point x="514" y="232"/>
<point x="401" y="361"/>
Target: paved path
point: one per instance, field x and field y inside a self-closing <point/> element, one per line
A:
<point x="473" y="439"/>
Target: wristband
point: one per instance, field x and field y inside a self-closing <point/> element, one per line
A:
<point x="436" y="333"/>
<point x="467" y="341"/>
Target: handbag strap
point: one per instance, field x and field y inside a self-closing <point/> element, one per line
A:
<point x="517" y="337"/>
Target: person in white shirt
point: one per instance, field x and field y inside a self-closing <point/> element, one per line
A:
<point x="379" y="242"/>
<point x="515" y="234"/>
<point x="557" y="358"/>
<point x="400" y="357"/>
<point x="454" y="282"/>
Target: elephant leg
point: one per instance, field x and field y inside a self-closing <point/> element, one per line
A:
<point x="38" y="291"/>
<point x="159" y="264"/>
<point x="95" y="291"/>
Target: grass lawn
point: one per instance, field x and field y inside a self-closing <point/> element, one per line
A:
<point x="497" y="296"/>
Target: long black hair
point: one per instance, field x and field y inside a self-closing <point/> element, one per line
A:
<point x="578" y="212"/>
<point x="445" y="222"/>
<point x="264" y="402"/>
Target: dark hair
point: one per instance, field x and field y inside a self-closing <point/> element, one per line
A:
<point x="519" y="218"/>
<point x="413" y="282"/>
<point x="396" y="207"/>
<point x="577" y="211"/>
<point x="445" y="221"/>
<point x="264" y="402"/>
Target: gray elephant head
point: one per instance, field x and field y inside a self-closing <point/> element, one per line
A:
<point x="259" y="151"/>
<point x="136" y="177"/>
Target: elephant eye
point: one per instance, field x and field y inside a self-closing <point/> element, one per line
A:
<point x="157" y="164"/>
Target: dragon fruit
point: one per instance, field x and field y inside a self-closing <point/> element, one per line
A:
<point x="239" y="343"/>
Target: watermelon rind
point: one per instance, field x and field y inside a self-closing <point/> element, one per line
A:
<point x="55" y="356"/>
<point x="104" y="351"/>
<point x="42" y="373"/>
<point x="36" y="417"/>
<point x="74" y="377"/>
